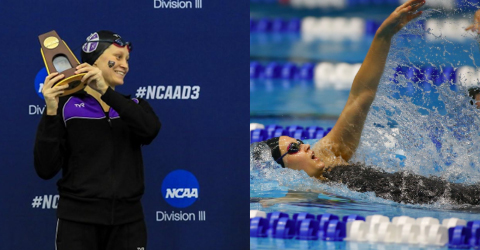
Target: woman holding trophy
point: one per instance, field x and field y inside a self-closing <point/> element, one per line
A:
<point x="95" y="137"/>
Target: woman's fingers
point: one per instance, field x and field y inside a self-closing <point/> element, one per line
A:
<point x="88" y="76"/>
<point x="56" y="79"/>
<point x="84" y="69"/>
<point x="63" y="86"/>
<point x="91" y="72"/>
<point x="55" y="89"/>
<point x="411" y="6"/>
<point x="83" y="65"/>
<point x="51" y="79"/>
<point x="48" y="80"/>
<point x="93" y="76"/>
<point x="415" y="16"/>
<point x="411" y="3"/>
<point x="410" y="12"/>
<point x="418" y="5"/>
<point x="50" y="76"/>
<point x="57" y="92"/>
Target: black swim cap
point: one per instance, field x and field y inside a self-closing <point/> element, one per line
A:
<point x="274" y="146"/>
<point x="96" y="43"/>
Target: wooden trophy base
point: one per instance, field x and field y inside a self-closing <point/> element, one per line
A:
<point x="74" y="82"/>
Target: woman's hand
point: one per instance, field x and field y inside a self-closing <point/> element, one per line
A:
<point x="93" y="77"/>
<point x="476" y="23"/>
<point x="50" y="94"/>
<point x="399" y="18"/>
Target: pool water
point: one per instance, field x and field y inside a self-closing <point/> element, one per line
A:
<point x="343" y="206"/>
<point x="273" y="189"/>
<point x="294" y="103"/>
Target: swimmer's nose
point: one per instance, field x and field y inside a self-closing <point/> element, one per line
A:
<point x="306" y="147"/>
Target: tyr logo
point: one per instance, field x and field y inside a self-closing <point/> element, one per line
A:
<point x="81" y="105"/>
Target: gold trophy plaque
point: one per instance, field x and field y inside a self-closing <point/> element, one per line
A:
<point x="58" y="57"/>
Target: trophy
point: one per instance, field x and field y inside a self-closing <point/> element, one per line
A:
<point x="58" y="57"/>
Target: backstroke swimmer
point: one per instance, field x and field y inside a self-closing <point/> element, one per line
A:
<point x="328" y="159"/>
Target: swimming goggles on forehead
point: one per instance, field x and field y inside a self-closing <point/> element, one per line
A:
<point x="118" y="42"/>
<point x="292" y="149"/>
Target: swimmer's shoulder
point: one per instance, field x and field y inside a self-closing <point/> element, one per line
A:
<point x="324" y="149"/>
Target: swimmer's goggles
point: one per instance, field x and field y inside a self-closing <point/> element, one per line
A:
<point x="117" y="42"/>
<point x="291" y="149"/>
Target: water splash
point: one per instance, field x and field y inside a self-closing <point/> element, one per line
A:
<point x="435" y="128"/>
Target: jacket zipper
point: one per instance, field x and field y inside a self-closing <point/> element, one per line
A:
<point x="107" y="115"/>
<point x="111" y="169"/>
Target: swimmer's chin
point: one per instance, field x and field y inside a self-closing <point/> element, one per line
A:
<point x="319" y="173"/>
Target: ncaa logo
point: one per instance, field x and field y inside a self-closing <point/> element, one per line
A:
<point x="39" y="79"/>
<point x="180" y="188"/>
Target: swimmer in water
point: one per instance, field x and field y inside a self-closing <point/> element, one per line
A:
<point x="328" y="159"/>
<point x="342" y="141"/>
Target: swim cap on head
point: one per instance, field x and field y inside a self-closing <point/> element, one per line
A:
<point x="274" y="146"/>
<point x="96" y="43"/>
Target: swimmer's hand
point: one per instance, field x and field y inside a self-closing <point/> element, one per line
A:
<point x="399" y="18"/>
<point x="475" y="27"/>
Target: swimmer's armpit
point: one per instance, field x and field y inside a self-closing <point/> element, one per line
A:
<point x="329" y="152"/>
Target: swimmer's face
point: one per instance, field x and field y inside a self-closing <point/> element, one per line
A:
<point x="120" y="55"/>
<point x="304" y="159"/>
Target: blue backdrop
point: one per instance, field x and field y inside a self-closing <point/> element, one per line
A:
<point x="204" y="48"/>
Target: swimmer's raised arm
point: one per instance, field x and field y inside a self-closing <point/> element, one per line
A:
<point x="344" y="138"/>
